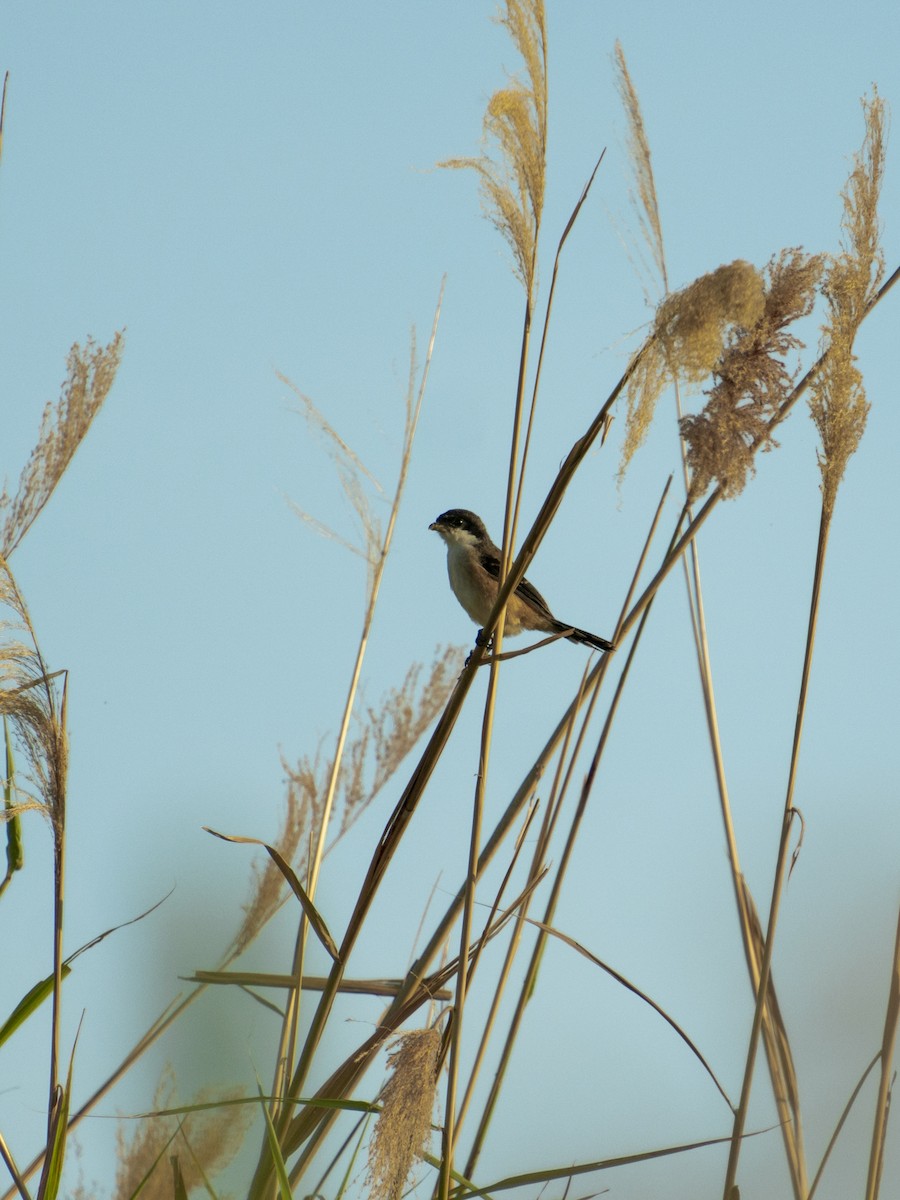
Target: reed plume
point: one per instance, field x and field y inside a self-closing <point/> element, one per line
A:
<point x="512" y="181"/>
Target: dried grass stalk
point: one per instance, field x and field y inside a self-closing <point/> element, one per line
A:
<point x="782" y="1070"/>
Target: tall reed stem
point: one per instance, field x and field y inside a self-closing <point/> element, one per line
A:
<point x="781" y="863"/>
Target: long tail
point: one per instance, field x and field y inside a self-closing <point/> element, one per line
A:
<point x="583" y="638"/>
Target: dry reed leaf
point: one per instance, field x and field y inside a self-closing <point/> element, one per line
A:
<point x="403" y="1129"/>
<point x="512" y="183"/>
<point x="778" y="1046"/>
<point x="838" y="402"/>
<point x="302" y="803"/>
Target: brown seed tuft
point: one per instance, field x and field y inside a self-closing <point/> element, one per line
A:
<point x="687" y="340"/>
<point x="401" y="1134"/>
<point x="91" y="370"/>
<point x="751" y="380"/>
<point x="203" y="1142"/>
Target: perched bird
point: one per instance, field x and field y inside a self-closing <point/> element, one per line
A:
<point x="473" y="564"/>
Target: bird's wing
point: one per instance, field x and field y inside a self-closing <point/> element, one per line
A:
<point x="527" y="591"/>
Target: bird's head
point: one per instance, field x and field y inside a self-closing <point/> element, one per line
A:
<point x="460" y="526"/>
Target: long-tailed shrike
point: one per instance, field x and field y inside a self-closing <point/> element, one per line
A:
<point x="473" y="564"/>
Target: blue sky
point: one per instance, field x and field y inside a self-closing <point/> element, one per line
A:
<point x="253" y="194"/>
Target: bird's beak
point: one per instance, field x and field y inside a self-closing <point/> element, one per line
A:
<point x="434" y="526"/>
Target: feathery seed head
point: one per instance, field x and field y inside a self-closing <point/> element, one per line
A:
<point x="691" y="324"/>
<point x="91" y="370"/>
<point x="401" y="1134"/>
<point x="512" y="184"/>
<point x="643" y="193"/>
<point x="750" y="380"/>
<point x="203" y="1142"/>
<point x="838" y="402"/>
<point x="687" y="339"/>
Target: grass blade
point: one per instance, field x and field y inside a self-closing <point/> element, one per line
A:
<point x="15" y="853"/>
<point x="529" y="1178"/>
<point x="312" y="913"/>
<point x="626" y="983"/>
<point x="28" y="1005"/>
<point x="51" y="1177"/>
<point x="832" y="1141"/>
<point x="284" y="1184"/>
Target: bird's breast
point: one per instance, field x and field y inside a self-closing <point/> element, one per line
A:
<point x="472" y="586"/>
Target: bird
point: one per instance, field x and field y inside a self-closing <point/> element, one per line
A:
<point x="473" y="564"/>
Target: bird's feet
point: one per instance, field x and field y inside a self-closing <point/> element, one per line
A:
<point x="485" y="643"/>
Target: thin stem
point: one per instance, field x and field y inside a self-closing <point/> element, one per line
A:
<point x="450" y="1119"/>
<point x="832" y="1141"/>
<point x="548" y="824"/>
<point x="512" y="479"/>
<point x="449" y="1132"/>
<point x="543" y="346"/>
<point x="590" y="689"/>
<point x="515" y="481"/>
<point x="781" y="863"/>
<point x="10" y="1162"/>
<point x="59" y="866"/>
<point x="693" y="586"/>
<point x="882" y="1104"/>
<point x="285" y="1056"/>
